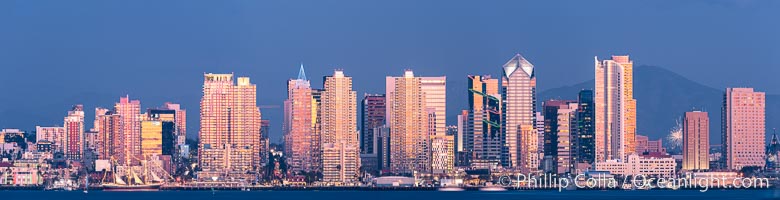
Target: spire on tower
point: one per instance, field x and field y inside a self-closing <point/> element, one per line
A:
<point x="301" y="73"/>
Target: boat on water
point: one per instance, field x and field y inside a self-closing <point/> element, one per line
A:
<point x="450" y="189"/>
<point x="492" y="189"/>
<point x="131" y="181"/>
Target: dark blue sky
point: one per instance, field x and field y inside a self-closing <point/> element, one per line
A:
<point x="57" y="53"/>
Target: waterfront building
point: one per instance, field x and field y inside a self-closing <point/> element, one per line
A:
<point x="696" y="141"/>
<point x="615" y="108"/>
<point x="443" y="157"/>
<point x="743" y="128"/>
<point x="518" y="92"/>
<point x="340" y="157"/>
<point x="230" y="127"/>
<point x="408" y="121"/>
<point x="649" y="165"/>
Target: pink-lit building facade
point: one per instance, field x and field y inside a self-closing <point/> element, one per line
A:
<point x="743" y="128"/>
<point x="229" y="127"/>
<point x="696" y="141"/>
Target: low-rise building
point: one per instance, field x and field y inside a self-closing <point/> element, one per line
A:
<point x="647" y="165"/>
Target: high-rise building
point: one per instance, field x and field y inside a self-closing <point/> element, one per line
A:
<point x="518" y="93"/>
<point x="301" y="116"/>
<point x="168" y="137"/>
<point x="55" y="135"/>
<point x="74" y="133"/>
<point x="696" y="141"/>
<point x="484" y="119"/>
<point x="463" y="140"/>
<point x="382" y="135"/>
<point x="408" y="120"/>
<point x="584" y="142"/>
<point x="615" y="108"/>
<point x="130" y="112"/>
<point x="339" y="129"/>
<point x="743" y="127"/>
<point x="435" y="90"/>
<point x="373" y="108"/>
<point x="265" y="142"/>
<point x="559" y="124"/>
<point x="372" y="111"/>
<point x="230" y="127"/>
<point x="151" y="139"/>
<point x="108" y="125"/>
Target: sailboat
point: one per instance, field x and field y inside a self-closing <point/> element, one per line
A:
<point x="134" y="182"/>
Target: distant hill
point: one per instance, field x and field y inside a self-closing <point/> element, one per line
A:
<point x="662" y="98"/>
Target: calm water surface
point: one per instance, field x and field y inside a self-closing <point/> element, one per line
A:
<point x="395" y="195"/>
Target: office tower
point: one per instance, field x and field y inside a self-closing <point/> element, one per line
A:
<point x="559" y="123"/>
<point x="696" y="141"/>
<point x="615" y="108"/>
<point x="463" y="140"/>
<point x="229" y="126"/>
<point x="408" y="120"/>
<point x="373" y="108"/>
<point x="484" y="120"/>
<point x="55" y="135"/>
<point x="168" y="135"/>
<point x="743" y="126"/>
<point x="435" y="90"/>
<point x="585" y="144"/>
<point x="151" y="139"/>
<point x="518" y="92"/>
<point x="339" y="129"/>
<point x="130" y="112"/>
<point x="382" y="135"/>
<point x="301" y="141"/>
<point x="372" y="111"/>
<point x="108" y="125"/>
<point x="179" y="123"/>
<point x="265" y="131"/>
<point x="74" y="133"/>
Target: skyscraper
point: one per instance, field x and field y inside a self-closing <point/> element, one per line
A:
<point x="151" y="139"/>
<point x="373" y="108"/>
<point x="108" y="125"/>
<point x="559" y="124"/>
<point x="74" y="133"/>
<point x="696" y="141"/>
<point x="301" y="117"/>
<point x="519" y="109"/>
<point x="484" y="120"/>
<point x="265" y="130"/>
<point x="743" y="128"/>
<point x="130" y="112"/>
<point x="339" y="129"/>
<point x="408" y="120"/>
<point x="584" y="143"/>
<point x="229" y="126"/>
<point x="443" y="156"/>
<point x="435" y="90"/>
<point x="615" y="108"/>
<point x="372" y="111"/>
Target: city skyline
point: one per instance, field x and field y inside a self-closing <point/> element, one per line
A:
<point x="90" y="58"/>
